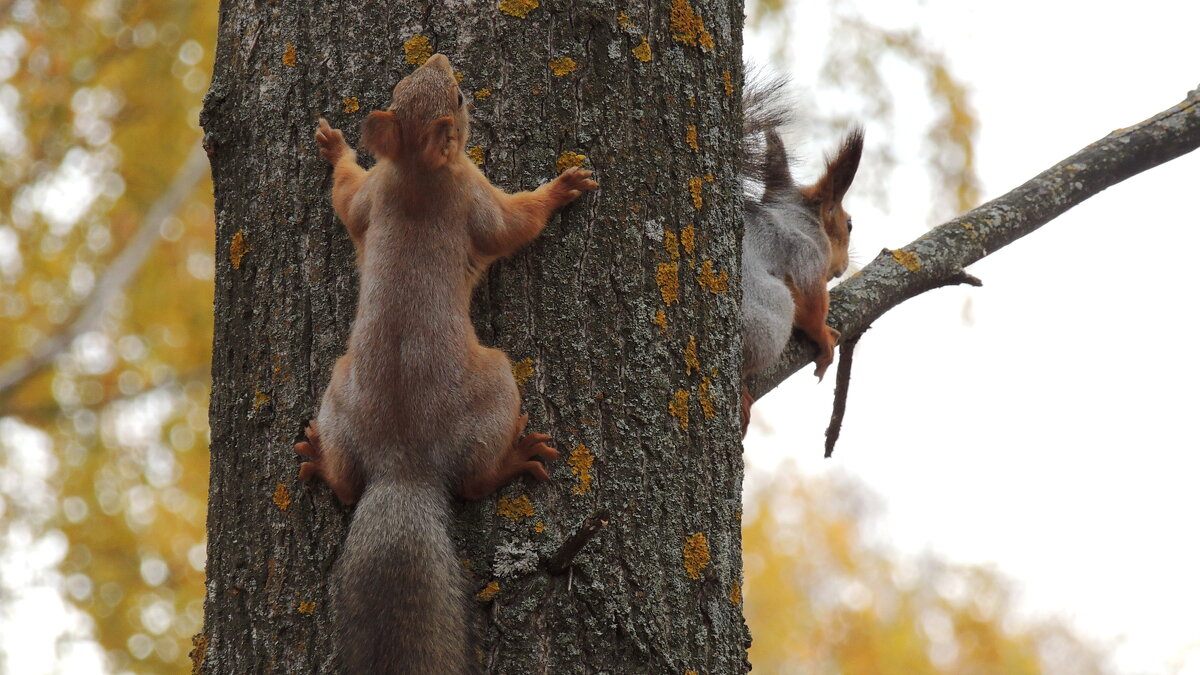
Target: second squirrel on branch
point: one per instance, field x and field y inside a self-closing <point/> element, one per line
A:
<point x="797" y="239"/>
<point x="417" y="410"/>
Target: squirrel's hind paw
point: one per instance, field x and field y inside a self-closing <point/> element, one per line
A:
<point x="318" y="464"/>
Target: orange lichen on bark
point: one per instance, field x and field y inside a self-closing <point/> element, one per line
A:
<point x="281" y="497"/>
<point x="691" y="137"/>
<point x="539" y="526"/>
<point x="728" y="82"/>
<point x="289" y="55"/>
<point x="562" y="65"/>
<point x="908" y="259"/>
<point x="522" y="370"/>
<point x="580" y="461"/>
<point x="417" y="50"/>
<point x="623" y="21"/>
<point x="483" y="93"/>
<point x="515" y="509"/>
<point x="350" y="104"/>
<point x="735" y="594"/>
<point x="688" y="237"/>
<point x="695" y="554"/>
<point x="695" y="186"/>
<point x="667" y="279"/>
<point x="690" y="358"/>
<point x="475" y="152"/>
<point x="660" y="320"/>
<point x="260" y="399"/>
<point x="238" y="248"/>
<point x="199" y="651"/>
<point x="488" y="592"/>
<point x="687" y="26"/>
<point x="642" y="52"/>
<point x="710" y="281"/>
<point x="671" y="243"/>
<point x="306" y="607"/>
<point x="707" y="406"/>
<point x="518" y="8"/>
<point x="569" y="159"/>
<point x="678" y="407"/>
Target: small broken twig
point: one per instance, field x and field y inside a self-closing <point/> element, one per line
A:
<point x="561" y="560"/>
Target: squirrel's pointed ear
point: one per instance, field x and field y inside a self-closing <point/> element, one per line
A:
<point x="381" y="134"/>
<point x="840" y="169"/>
<point x="438" y="142"/>
<point x="777" y="177"/>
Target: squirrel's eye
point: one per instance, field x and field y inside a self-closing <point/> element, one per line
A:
<point x="849" y="226"/>
<point x="460" y="99"/>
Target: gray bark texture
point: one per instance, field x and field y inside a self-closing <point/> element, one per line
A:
<point x="621" y="320"/>
<point x="939" y="257"/>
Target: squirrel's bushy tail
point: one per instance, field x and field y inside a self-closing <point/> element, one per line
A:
<point x="398" y="587"/>
<point x="765" y="108"/>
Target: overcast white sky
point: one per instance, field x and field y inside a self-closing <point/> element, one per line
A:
<point x="1053" y="437"/>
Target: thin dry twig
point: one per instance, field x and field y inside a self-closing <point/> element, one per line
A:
<point x="561" y="561"/>
<point x="840" y="392"/>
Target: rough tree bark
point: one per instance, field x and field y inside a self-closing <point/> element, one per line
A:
<point x="621" y="320"/>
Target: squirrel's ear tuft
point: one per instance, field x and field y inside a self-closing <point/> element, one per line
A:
<point x="777" y="177"/>
<point x="438" y="143"/>
<point x="840" y="168"/>
<point x="381" y="134"/>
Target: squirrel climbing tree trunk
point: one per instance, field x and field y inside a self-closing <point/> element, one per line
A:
<point x="621" y="320"/>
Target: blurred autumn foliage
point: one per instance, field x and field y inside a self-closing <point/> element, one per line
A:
<point x="103" y="466"/>
<point x="824" y="596"/>
<point x="106" y="263"/>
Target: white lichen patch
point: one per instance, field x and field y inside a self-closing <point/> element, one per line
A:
<point x="514" y="558"/>
<point x="654" y="230"/>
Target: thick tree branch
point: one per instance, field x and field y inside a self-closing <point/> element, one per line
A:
<point x="938" y="257"/>
<point x="115" y="277"/>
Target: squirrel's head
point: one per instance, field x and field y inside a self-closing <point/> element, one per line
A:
<point x="823" y="197"/>
<point x="427" y="122"/>
<point x="826" y="197"/>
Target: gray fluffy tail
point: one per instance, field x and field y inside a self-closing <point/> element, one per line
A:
<point x="398" y="588"/>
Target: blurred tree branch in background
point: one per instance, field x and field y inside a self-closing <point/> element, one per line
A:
<point x="115" y="277"/>
<point x="850" y="69"/>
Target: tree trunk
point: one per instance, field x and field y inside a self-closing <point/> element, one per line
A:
<point x="621" y="320"/>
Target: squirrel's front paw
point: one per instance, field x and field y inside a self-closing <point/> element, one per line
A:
<point x="572" y="183"/>
<point x="331" y="141"/>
